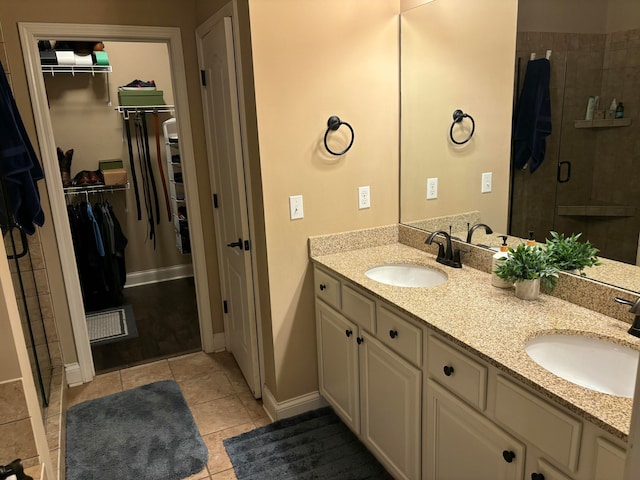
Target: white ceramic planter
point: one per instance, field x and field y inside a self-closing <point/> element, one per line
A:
<point x="528" y="289"/>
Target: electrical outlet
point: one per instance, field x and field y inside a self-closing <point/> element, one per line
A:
<point x="364" y="197"/>
<point x="432" y="188"/>
<point x="295" y="207"/>
<point x="487" y="180"/>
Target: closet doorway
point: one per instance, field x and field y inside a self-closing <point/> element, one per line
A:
<point x="67" y="109"/>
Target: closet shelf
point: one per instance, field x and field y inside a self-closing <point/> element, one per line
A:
<point x="73" y="69"/>
<point x="127" y="109"/>
<point x="605" y="123"/>
<point x="89" y="189"/>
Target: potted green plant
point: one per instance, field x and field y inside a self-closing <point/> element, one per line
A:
<point x="569" y="254"/>
<point x="528" y="266"/>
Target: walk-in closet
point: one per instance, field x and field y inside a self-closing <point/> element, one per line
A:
<point x="114" y="123"/>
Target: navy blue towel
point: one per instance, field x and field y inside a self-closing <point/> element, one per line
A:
<point x="532" y="119"/>
<point x="19" y="166"/>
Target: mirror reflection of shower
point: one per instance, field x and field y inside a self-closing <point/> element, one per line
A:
<point x="586" y="182"/>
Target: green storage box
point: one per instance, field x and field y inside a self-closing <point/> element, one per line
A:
<point x="110" y="164"/>
<point x="140" y="98"/>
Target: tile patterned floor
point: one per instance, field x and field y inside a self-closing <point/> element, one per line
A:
<point x="219" y="398"/>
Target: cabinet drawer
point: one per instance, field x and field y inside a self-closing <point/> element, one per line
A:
<point x="327" y="288"/>
<point x="400" y="335"/>
<point x="610" y="461"/>
<point x="552" y="431"/>
<point x="358" y="308"/>
<point x="462" y="375"/>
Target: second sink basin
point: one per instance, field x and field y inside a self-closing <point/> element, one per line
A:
<point x="407" y="275"/>
<point x="594" y="363"/>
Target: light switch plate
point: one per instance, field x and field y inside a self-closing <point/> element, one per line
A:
<point x="432" y="188"/>
<point x="364" y="197"/>
<point x="487" y="182"/>
<point x="296" y="209"/>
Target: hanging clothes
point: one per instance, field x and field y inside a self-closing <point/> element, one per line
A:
<point x="532" y="118"/>
<point x="99" y="244"/>
<point x="19" y="166"/>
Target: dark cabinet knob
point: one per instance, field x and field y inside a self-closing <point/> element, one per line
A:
<point x="508" y="456"/>
<point x="323" y="286"/>
<point x="537" y="476"/>
<point x="348" y="333"/>
<point x="448" y="370"/>
<point x="393" y="333"/>
<point x="359" y="340"/>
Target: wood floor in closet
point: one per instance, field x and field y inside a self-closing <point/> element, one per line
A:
<point x="167" y="321"/>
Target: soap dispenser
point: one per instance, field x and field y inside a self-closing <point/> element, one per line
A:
<point x="498" y="258"/>
<point x="530" y="242"/>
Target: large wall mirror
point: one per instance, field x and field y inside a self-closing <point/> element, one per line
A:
<point x="588" y="181"/>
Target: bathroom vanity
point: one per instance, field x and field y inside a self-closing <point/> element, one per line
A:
<point x="436" y="382"/>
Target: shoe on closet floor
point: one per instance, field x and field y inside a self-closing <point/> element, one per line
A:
<point x="139" y="85"/>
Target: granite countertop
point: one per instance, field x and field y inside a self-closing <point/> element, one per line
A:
<point x="495" y="325"/>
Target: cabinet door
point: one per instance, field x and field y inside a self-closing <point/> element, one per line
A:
<point x="462" y="444"/>
<point x="391" y="414"/>
<point x="610" y="461"/>
<point x="338" y="363"/>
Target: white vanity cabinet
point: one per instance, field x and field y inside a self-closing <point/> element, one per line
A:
<point x="498" y="429"/>
<point x="370" y="385"/>
<point x="463" y="444"/>
<point x="430" y="409"/>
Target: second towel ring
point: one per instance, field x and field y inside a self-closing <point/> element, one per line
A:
<point x="334" y="124"/>
<point x="458" y="116"/>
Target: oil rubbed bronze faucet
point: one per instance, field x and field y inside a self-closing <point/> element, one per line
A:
<point x="448" y="256"/>
<point x="635" y="309"/>
<point x="470" y="231"/>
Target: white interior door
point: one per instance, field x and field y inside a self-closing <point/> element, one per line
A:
<point x="228" y="185"/>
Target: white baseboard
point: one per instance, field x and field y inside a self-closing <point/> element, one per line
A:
<point x="219" y="344"/>
<point x="73" y="374"/>
<point x="289" y="408"/>
<point x="155" y="275"/>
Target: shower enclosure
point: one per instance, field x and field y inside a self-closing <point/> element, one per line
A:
<point x="24" y="266"/>
<point x="588" y="180"/>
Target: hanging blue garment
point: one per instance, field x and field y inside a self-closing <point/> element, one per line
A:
<point x="532" y="118"/>
<point x="19" y="166"/>
<point x="97" y="235"/>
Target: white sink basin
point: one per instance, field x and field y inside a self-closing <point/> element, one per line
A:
<point x="402" y="275"/>
<point x="594" y="363"/>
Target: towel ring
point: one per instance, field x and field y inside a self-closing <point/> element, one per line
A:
<point x="334" y="124"/>
<point x="458" y="116"/>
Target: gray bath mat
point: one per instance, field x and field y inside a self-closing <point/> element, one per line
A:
<point x="147" y="433"/>
<point x="315" y="445"/>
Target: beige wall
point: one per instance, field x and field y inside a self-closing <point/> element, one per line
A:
<point x="83" y="120"/>
<point x="160" y="13"/>
<point x="623" y="15"/>
<point x="578" y="16"/>
<point x="571" y="16"/>
<point x="312" y="60"/>
<point x="452" y="60"/>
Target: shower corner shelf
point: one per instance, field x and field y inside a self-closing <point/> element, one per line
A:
<point x="604" y="123"/>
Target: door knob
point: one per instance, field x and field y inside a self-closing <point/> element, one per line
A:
<point x="448" y="370"/>
<point x="236" y="244"/>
